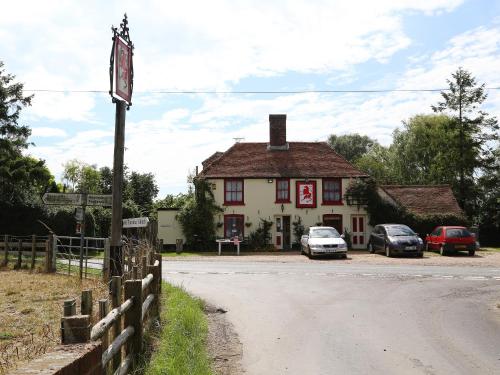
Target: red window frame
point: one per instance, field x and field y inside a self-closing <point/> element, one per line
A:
<point x="242" y="220"/>
<point x="231" y="202"/>
<point x="330" y="201"/>
<point x="297" y="194"/>
<point x="286" y="200"/>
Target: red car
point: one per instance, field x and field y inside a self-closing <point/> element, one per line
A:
<point x="449" y="239"/>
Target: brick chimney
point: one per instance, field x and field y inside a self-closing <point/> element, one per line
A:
<point x="277" y="132"/>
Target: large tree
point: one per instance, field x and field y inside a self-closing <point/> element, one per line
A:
<point x="351" y="146"/>
<point x="22" y="178"/>
<point x="474" y="128"/>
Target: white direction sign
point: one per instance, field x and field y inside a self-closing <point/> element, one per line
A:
<point x="137" y="222"/>
<point x="99" y="200"/>
<point x="63" y="199"/>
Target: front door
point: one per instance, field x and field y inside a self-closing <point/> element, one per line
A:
<point x="286" y="233"/>
<point x="358" y="236"/>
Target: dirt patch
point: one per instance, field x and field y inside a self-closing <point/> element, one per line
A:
<point x="481" y="259"/>
<point x="30" y="312"/>
<point x="224" y="345"/>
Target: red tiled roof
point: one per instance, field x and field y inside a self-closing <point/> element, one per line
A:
<point x="302" y="159"/>
<point x="424" y="199"/>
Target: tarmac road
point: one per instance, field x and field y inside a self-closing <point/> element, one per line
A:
<point x="329" y="317"/>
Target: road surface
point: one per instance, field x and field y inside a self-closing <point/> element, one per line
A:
<point x="330" y="317"/>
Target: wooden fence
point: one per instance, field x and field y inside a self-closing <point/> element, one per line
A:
<point x="28" y="250"/>
<point x="134" y="302"/>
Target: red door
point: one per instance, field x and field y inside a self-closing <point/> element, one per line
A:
<point x="358" y="236"/>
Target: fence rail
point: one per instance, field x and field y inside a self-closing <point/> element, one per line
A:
<point x="135" y="304"/>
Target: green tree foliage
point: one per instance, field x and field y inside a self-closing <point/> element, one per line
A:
<point x="197" y="215"/>
<point x="22" y="178"/>
<point x="378" y="162"/>
<point x="170" y="201"/>
<point x="351" y="146"/>
<point x="474" y="130"/>
<point x="426" y="151"/>
<point x="81" y="177"/>
<point x="142" y="189"/>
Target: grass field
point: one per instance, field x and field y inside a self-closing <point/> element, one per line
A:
<point x="31" y="309"/>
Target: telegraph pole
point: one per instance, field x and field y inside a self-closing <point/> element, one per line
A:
<point x="121" y="84"/>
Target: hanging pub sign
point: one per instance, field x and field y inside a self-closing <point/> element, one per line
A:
<point x="306" y="194"/>
<point x="121" y="70"/>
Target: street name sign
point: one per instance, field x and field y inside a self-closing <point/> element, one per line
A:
<point x="99" y="200"/>
<point x="136" y="222"/>
<point x="63" y="199"/>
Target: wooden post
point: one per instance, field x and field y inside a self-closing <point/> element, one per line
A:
<point x="86" y="306"/>
<point x="144" y="267"/>
<point x="19" y="254"/>
<point x="158" y="257"/>
<point x="103" y="311"/>
<point x="53" y="254"/>
<point x="75" y="329"/>
<point x="116" y="300"/>
<point x="33" y="251"/>
<point x="69" y="307"/>
<point x="133" y="317"/>
<point x="153" y="288"/>
<point x="6" y="249"/>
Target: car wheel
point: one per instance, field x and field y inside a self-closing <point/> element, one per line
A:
<point x="370" y="248"/>
<point x="388" y="251"/>
<point x="442" y="251"/>
<point x="472" y="252"/>
<point x="309" y="253"/>
<point x="420" y="254"/>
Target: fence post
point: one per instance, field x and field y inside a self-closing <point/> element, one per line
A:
<point x="19" y="254"/>
<point x="54" y="252"/>
<point x="105" y="271"/>
<point x="116" y="300"/>
<point x="69" y="307"/>
<point x="158" y="257"/>
<point x="86" y="306"/>
<point x="154" y="270"/>
<point x="133" y="317"/>
<point x="103" y="311"/>
<point x="6" y="249"/>
<point x="33" y="251"/>
<point x="75" y="328"/>
<point x="144" y="265"/>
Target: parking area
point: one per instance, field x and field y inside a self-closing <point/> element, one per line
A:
<point x="482" y="258"/>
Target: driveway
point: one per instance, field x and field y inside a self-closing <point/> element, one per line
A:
<point x="296" y="316"/>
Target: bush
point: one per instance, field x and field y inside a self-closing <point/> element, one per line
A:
<point x="260" y="238"/>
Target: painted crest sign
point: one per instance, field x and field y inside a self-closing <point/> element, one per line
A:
<point x="123" y="70"/>
<point x="306" y="194"/>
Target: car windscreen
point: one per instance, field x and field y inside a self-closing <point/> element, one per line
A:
<point x="399" y="230"/>
<point x="324" y="233"/>
<point x="457" y="233"/>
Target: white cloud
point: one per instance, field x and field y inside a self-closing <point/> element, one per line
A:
<point x="43" y="132"/>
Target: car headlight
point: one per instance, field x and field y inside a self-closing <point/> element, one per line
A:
<point x="420" y="241"/>
<point x="343" y="246"/>
<point x="315" y="246"/>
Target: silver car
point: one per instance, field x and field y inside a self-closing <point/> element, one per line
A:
<point x="323" y="241"/>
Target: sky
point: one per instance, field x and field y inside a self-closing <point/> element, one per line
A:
<point x="226" y="46"/>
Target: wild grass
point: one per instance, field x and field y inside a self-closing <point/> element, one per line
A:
<point x="180" y="345"/>
<point x="31" y="309"/>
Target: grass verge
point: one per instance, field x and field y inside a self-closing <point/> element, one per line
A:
<point x="179" y="348"/>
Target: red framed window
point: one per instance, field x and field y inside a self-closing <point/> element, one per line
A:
<point x="233" y="191"/>
<point x="332" y="191"/>
<point x="282" y="190"/>
<point x="234" y="226"/>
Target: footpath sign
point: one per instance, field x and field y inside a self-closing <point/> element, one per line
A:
<point x="99" y="200"/>
<point x="136" y="222"/>
<point x="63" y="199"/>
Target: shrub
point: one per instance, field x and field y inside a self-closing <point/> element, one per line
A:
<point x="260" y="238"/>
